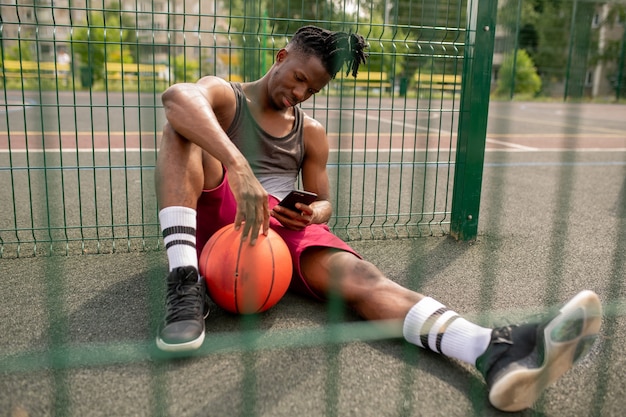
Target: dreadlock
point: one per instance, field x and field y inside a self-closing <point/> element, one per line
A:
<point x="334" y="49"/>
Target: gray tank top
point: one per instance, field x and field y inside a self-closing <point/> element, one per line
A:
<point x="275" y="161"/>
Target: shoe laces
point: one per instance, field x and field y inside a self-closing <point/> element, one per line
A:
<point x="184" y="299"/>
<point x="502" y="335"/>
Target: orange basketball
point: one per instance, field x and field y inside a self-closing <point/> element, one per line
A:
<point x="245" y="279"/>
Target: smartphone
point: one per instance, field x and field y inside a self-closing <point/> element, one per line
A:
<point x="297" y="196"/>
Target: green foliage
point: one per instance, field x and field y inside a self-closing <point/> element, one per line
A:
<point x="553" y="40"/>
<point x="106" y="38"/>
<point x="427" y="38"/>
<point x="186" y="69"/>
<point x="288" y="15"/>
<point x="24" y="51"/>
<point x="384" y="54"/>
<point x="543" y="28"/>
<point x="518" y="75"/>
<point x="279" y="19"/>
<point x="264" y="28"/>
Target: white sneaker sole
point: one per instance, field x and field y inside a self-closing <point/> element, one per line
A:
<point x="566" y="338"/>
<point x="187" y="346"/>
<point x="180" y="347"/>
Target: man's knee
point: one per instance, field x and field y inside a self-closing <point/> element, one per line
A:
<point x="170" y="138"/>
<point x="354" y="271"/>
<point x="168" y="131"/>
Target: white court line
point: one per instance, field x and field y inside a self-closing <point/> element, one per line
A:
<point x="80" y="150"/>
<point x="513" y="150"/>
<point x="333" y="150"/>
<point x="395" y="122"/>
<point x="438" y="132"/>
<point x="512" y="145"/>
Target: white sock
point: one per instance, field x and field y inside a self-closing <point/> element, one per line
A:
<point x="178" y="225"/>
<point x="430" y="325"/>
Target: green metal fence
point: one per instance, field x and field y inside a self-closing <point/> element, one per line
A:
<point x="81" y="112"/>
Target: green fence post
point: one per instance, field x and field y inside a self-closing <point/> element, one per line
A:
<point x="252" y="41"/>
<point x="579" y="47"/>
<point x="621" y="76"/>
<point x="472" y="128"/>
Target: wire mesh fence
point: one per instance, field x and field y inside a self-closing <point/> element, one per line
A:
<point x="82" y="113"/>
<point x="82" y="116"/>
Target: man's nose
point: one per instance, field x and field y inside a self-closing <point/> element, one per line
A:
<point x="299" y="92"/>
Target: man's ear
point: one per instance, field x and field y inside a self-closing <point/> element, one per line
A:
<point x="281" y="55"/>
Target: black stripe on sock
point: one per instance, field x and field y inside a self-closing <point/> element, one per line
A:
<point x="179" y="229"/>
<point x="179" y="242"/>
<point x="428" y="324"/>
<point x="442" y="330"/>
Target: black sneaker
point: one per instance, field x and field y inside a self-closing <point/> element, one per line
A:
<point x="521" y="361"/>
<point x="186" y="308"/>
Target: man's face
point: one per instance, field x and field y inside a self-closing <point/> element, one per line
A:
<point x="295" y="78"/>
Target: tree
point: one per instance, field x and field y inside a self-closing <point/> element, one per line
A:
<point x="557" y="36"/>
<point x="432" y="33"/>
<point x="22" y="51"/>
<point x="289" y="15"/>
<point x="256" y="25"/>
<point x="518" y="75"/>
<point x="384" y="55"/>
<point x="266" y="25"/>
<point x="106" y="37"/>
<point x="185" y="69"/>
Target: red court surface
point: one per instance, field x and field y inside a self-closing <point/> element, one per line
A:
<point x="390" y="125"/>
<point x="131" y="141"/>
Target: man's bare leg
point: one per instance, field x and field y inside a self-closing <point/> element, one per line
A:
<point x="518" y="362"/>
<point x="182" y="171"/>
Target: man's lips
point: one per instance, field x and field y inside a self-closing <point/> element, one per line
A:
<point x="288" y="102"/>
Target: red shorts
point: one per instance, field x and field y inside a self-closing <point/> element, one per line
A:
<point x="217" y="208"/>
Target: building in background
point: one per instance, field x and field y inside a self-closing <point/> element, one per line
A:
<point x="606" y="76"/>
<point x="205" y="32"/>
<point x="163" y="29"/>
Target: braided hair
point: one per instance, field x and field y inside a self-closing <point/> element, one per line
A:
<point x="334" y="49"/>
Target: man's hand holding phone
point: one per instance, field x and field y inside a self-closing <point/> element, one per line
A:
<point x="295" y="211"/>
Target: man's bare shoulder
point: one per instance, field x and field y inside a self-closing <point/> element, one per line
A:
<point x="216" y="89"/>
<point x="312" y="126"/>
<point x="314" y="137"/>
<point x="220" y="96"/>
<point x="210" y="87"/>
